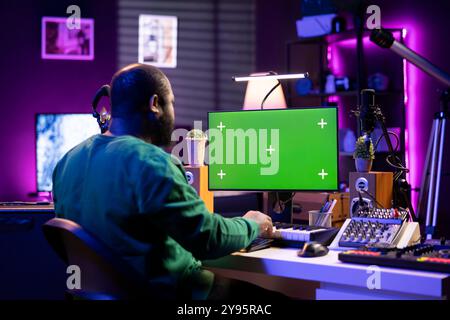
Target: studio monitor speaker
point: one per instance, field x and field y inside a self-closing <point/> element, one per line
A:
<point x="197" y="177"/>
<point x="372" y="185"/>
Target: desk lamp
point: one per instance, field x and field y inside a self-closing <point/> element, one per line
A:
<point x="267" y="83"/>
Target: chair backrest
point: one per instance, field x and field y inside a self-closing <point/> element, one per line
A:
<point x="103" y="273"/>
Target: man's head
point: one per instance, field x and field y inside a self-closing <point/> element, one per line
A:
<point x="142" y="100"/>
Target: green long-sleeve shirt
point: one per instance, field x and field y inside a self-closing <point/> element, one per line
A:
<point x="135" y="198"/>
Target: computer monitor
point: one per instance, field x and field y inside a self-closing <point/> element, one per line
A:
<point x="274" y="150"/>
<point x="55" y="135"/>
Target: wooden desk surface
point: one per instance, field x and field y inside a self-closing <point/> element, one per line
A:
<point x="32" y="208"/>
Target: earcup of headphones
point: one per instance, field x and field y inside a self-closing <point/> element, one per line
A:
<point x="103" y="119"/>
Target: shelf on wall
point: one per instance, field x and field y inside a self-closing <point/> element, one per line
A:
<point x="337" y="37"/>
<point x="347" y="94"/>
<point x="381" y="153"/>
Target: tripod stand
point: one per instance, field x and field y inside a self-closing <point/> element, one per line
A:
<point x="431" y="179"/>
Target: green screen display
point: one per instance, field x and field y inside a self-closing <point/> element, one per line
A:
<point x="287" y="149"/>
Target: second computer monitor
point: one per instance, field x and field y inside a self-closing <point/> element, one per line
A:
<point x="55" y="135"/>
<point x="289" y="149"/>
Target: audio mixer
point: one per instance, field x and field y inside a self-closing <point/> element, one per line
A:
<point x="376" y="227"/>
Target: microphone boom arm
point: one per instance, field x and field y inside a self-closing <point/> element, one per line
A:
<point x="385" y="39"/>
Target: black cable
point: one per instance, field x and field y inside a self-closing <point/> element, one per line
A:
<point x="373" y="198"/>
<point x="397" y="175"/>
<point x="398" y="164"/>
<point x="268" y="94"/>
<point x="282" y="203"/>
<point x="412" y="214"/>
<point x="393" y="160"/>
<point x="397" y="139"/>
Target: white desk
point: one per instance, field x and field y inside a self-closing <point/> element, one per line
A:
<point x="338" y="280"/>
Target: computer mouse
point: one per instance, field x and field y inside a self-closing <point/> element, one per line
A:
<point x="312" y="249"/>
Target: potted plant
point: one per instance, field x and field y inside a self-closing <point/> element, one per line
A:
<point x="196" y="144"/>
<point x="364" y="154"/>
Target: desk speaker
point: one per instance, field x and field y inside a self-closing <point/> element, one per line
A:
<point x="197" y="177"/>
<point x="372" y="186"/>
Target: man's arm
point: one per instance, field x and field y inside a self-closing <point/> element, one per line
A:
<point x="183" y="215"/>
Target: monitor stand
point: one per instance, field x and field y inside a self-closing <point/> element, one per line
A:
<point x="278" y="205"/>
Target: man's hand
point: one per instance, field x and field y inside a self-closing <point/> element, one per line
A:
<point x="263" y="220"/>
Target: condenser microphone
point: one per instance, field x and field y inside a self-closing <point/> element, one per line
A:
<point x="367" y="111"/>
<point x="385" y="39"/>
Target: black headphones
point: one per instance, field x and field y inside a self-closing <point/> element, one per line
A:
<point x="103" y="119"/>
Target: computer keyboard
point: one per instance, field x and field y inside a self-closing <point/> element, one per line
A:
<point x="293" y="236"/>
<point x="258" y="244"/>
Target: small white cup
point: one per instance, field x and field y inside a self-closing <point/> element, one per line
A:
<point x="196" y="151"/>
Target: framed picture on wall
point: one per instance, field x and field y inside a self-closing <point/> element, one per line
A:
<point x="64" y="41"/>
<point x="158" y="40"/>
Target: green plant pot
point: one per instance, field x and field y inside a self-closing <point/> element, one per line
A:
<point x="363" y="165"/>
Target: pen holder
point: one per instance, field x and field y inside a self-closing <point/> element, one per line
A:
<point x="321" y="219"/>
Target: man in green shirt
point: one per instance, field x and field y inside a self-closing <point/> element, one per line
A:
<point x="133" y="196"/>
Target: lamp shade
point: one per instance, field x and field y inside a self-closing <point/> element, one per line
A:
<point x="257" y="90"/>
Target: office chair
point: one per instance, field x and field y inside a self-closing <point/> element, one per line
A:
<point x="104" y="275"/>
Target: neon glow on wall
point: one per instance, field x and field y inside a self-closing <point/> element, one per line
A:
<point x="412" y="75"/>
